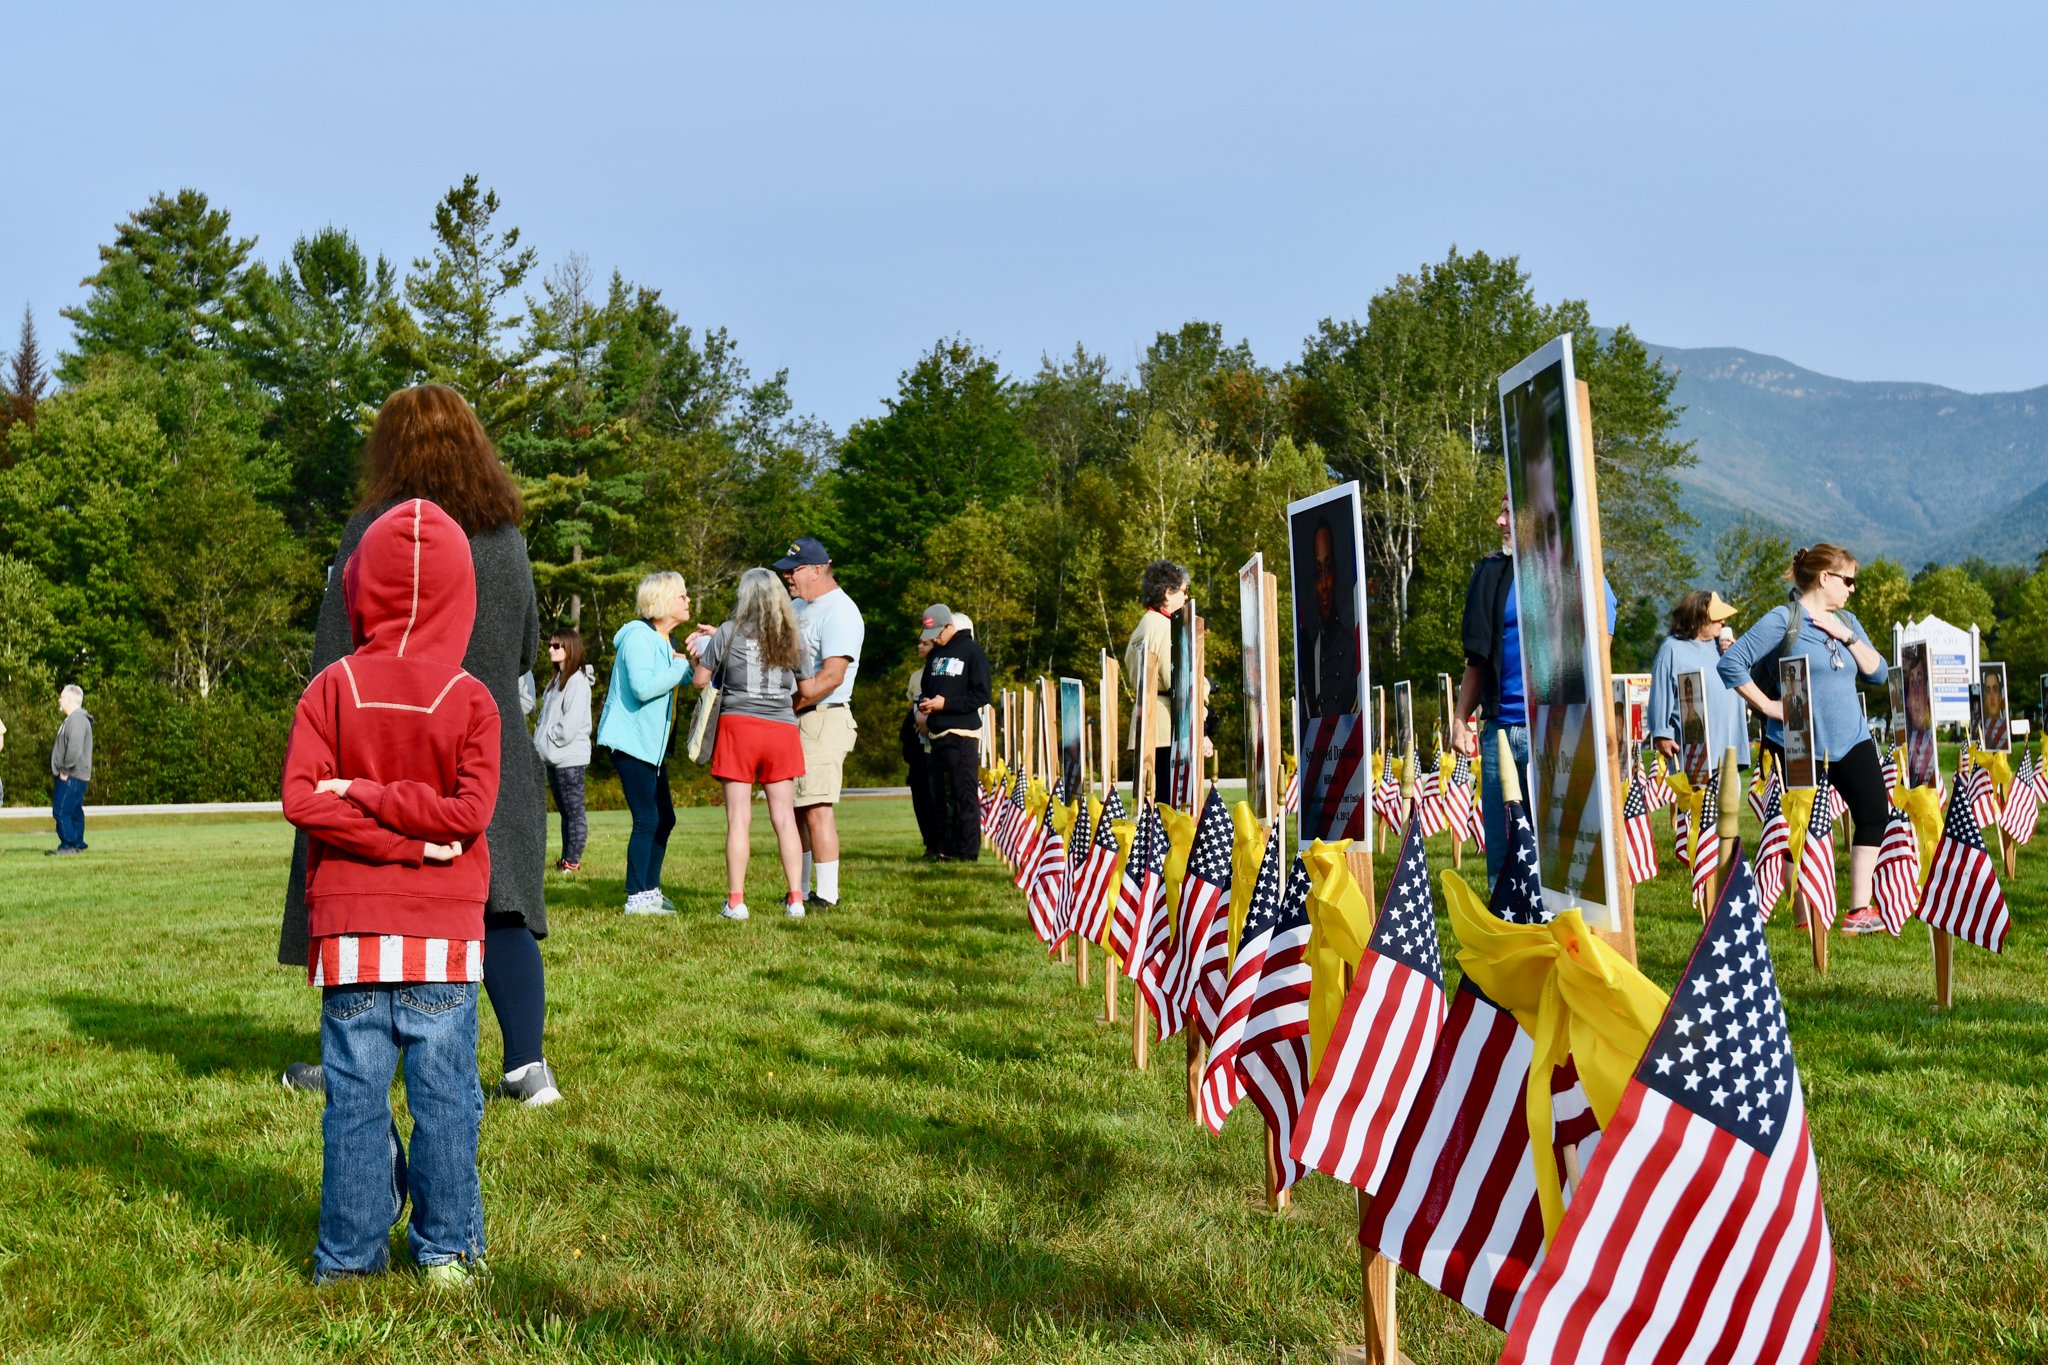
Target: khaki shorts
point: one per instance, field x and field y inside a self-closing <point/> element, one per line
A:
<point x="828" y="733"/>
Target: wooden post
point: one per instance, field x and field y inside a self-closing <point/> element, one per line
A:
<point x="1106" y="707"/>
<point x="1729" y="828"/>
<point x="1141" y="1014"/>
<point x="1269" y="603"/>
<point x="1944" y="976"/>
<point x="1621" y="895"/>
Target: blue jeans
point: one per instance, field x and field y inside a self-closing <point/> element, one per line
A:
<point x="366" y="1171"/>
<point x="67" y="807"/>
<point x="654" y="815"/>
<point x="1496" y="818"/>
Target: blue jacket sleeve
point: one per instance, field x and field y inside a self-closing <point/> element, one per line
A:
<point x="1884" y="670"/>
<point x="651" y="667"/>
<point x="1756" y="642"/>
<point x="1663" y="722"/>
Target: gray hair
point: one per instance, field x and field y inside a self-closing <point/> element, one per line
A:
<point x="72" y="693"/>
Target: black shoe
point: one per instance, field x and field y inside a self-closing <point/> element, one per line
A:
<point x="815" y="901"/>
<point x="305" y="1076"/>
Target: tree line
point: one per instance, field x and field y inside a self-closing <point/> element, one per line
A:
<point x="173" y="485"/>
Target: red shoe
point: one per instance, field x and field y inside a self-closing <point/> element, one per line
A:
<point x="1864" y="921"/>
<point x="564" y="865"/>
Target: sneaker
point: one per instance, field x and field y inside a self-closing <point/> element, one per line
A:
<point x="647" y="903"/>
<point x="793" y="909"/>
<point x="1864" y="921"/>
<point x="668" y="907"/>
<point x="468" y="1274"/>
<point x="732" y="912"/>
<point x="818" y="902"/>
<point x="564" y="865"/>
<point x="305" y="1076"/>
<point x="532" y="1085"/>
<point x="63" y="850"/>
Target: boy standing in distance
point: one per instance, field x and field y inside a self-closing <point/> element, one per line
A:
<point x="833" y="632"/>
<point x="956" y="687"/>
<point x="392" y="772"/>
<point x="71" y="769"/>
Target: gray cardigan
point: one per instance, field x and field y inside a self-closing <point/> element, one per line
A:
<point x="501" y="651"/>
<point x="562" y="737"/>
<point x="71" y="755"/>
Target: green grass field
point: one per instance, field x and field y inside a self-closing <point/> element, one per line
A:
<point x="891" y="1132"/>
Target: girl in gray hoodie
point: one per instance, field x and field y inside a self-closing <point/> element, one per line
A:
<point x="563" y="739"/>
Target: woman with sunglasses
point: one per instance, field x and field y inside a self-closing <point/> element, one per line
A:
<point x="1838" y="652"/>
<point x="563" y="739"/>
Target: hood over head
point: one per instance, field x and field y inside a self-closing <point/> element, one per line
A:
<point x="410" y="587"/>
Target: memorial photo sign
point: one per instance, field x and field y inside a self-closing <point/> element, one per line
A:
<point x="1326" y="539"/>
<point x="1795" y="690"/>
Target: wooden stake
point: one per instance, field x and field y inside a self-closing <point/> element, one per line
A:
<point x="1276" y="1198"/>
<point x="1944" y="979"/>
<point x="1729" y="826"/>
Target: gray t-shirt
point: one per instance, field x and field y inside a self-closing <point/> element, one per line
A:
<point x="752" y="688"/>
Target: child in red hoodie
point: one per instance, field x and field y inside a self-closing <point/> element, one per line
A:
<point x="392" y="771"/>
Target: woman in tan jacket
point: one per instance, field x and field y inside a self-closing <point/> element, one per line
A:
<point x="1164" y="589"/>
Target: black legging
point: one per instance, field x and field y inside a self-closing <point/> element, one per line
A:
<point x="517" y="986"/>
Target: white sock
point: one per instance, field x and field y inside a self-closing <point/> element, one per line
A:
<point x="807" y="874"/>
<point x="828" y="880"/>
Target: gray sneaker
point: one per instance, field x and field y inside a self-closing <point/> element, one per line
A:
<point x="535" y="1086"/>
<point x="305" y="1076"/>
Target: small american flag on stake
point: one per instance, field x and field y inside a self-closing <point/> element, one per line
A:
<point x="1221" y="1086"/>
<point x="1212" y="983"/>
<point x="1386" y="795"/>
<point x="1141" y="898"/>
<point x="1429" y="798"/>
<point x="1642" y="843"/>
<point x="1773" y="850"/>
<point x="1091" y="889"/>
<point x="1461" y="812"/>
<point x="1962" y="894"/>
<point x="1169" y="974"/>
<point x="1290" y="800"/>
<point x="1983" y="796"/>
<point x="1698" y="1233"/>
<point x="2022" y="805"/>
<point x="1384" y="1037"/>
<point x="1895" y="882"/>
<point x="1048" y="896"/>
<point x="1817" y="863"/>
<point x="1706" y="854"/>
<point x="1272" y="1057"/>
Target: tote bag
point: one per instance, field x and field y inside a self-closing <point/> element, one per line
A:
<point x="704" y="724"/>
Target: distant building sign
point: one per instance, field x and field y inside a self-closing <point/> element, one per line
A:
<point x="1952" y="664"/>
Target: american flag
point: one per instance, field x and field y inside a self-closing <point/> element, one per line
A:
<point x="1272" y="1056"/>
<point x="1012" y="820"/>
<point x="1662" y="793"/>
<point x="1704" y="1188"/>
<point x="986" y="795"/>
<point x="1168" y="976"/>
<point x="1030" y="839"/>
<point x="1384" y="1037"/>
<point x="2041" y="777"/>
<point x="1091" y="888"/>
<point x="1222" y="1087"/>
<point x="1048" y="897"/>
<point x="1461" y="812"/>
<point x="1983" y="795"/>
<point x="1290" y="800"/>
<point x="1817" y="863"/>
<point x="2022" y="805"/>
<point x="1429" y="798"/>
<point x="1895" y="882"/>
<point x="1214" y="984"/>
<point x="1457" y="1204"/>
<point x="1773" y="849"/>
<point x="1962" y="894"/>
<point x="1141" y="899"/>
<point x="1888" y="769"/>
<point x="1759" y="791"/>
<point x="1642" y="843"/>
<point x="1837" y="807"/>
<point x="1681" y="829"/>
<point x="1386" y="795"/>
<point x="1706" y="857"/>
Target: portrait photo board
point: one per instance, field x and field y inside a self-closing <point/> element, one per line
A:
<point x="1795" y="691"/>
<point x="1326" y="593"/>
<point x="1184" y="754"/>
<point x="1997" y="729"/>
<point x="1632" y="707"/>
<point x="1917" y="692"/>
<point x="1561" y="604"/>
<point x="1695" y="727"/>
<point x="1073" y="726"/>
<point x="1258" y="643"/>
<point x="1404" y="719"/>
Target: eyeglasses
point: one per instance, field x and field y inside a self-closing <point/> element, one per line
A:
<point x="553" y="647"/>
<point x="1848" y="579"/>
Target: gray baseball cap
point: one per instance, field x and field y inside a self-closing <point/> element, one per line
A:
<point x="937" y="617"/>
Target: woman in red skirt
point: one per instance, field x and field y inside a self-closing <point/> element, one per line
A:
<point x="756" y="659"/>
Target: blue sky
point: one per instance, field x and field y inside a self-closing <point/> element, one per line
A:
<point x="1856" y="189"/>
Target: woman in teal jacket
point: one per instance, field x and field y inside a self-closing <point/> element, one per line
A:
<point x="639" y="716"/>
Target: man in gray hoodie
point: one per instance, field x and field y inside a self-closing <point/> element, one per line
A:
<point x="71" y="766"/>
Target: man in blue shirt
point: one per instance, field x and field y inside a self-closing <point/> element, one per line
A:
<point x="1492" y="684"/>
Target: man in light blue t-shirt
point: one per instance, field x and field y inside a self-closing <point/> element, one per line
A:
<point x="833" y="632"/>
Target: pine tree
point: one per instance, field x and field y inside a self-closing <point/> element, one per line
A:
<point x="26" y="379"/>
<point x="167" y="289"/>
<point x="464" y="340"/>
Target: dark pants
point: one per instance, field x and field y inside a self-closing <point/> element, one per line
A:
<point x="67" y="806"/>
<point x="1162" y="778"/>
<point x="517" y="985"/>
<point x="567" y="784"/>
<point x="955" y="795"/>
<point x="923" y="800"/>
<point x="654" y="815"/>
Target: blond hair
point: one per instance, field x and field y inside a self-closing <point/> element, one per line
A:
<point x="761" y="609"/>
<point x="660" y="591"/>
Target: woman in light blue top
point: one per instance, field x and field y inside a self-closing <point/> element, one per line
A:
<point x="1697" y="640"/>
<point x="1838" y="653"/>
<point x="638" y="721"/>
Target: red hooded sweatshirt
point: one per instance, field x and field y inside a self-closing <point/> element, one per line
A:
<point x="416" y="736"/>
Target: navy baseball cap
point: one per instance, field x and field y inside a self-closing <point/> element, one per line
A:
<point x="804" y="550"/>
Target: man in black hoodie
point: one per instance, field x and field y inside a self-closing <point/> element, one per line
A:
<point x="956" y="687"/>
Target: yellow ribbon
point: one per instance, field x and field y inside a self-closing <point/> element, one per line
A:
<point x="1340" y="922"/>
<point x="1125" y="832"/>
<point x="1247" y="849"/>
<point x="1063" y="816"/>
<point x="1798" y="804"/>
<point x="1574" y="996"/>
<point x="1693" y="800"/>
<point x="1379" y="767"/>
<point x="1923" y="807"/>
<point x="1998" y="765"/>
<point x="1180" y="842"/>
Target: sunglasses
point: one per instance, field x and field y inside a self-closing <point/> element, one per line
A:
<point x="1848" y="579"/>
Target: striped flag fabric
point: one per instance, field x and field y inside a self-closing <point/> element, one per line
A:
<point x="2022" y="811"/>
<point x="1983" y="796"/>
<point x="2041" y="777"/>
<point x="1704" y="1187"/>
<point x="1385" y="1035"/>
<point x="1272" y="1056"/>
<point x="1290" y="799"/>
<point x="1888" y="769"/>
<point x="1048" y="896"/>
<point x="1895" y="882"/>
<point x="1141" y="898"/>
<point x="1213" y="984"/>
<point x="1837" y="806"/>
<point x="1642" y="842"/>
<point x="1661" y="792"/>
<point x="1460" y="810"/>
<point x="1817" y="864"/>
<point x="1169" y="974"/>
<point x="1030" y="839"/>
<point x="1773" y="850"/>
<point x="1760" y="791"/>
<point x="1962" y="894"/>
<point x="1386" y="796"/>
<point x="1222" y="1087"/>
<point x="1457" y="1205"/>
<point x="1429" y="797"/>
<point x="1706" y="857"/>
<point x="1091" y="887"/>
<point x="1681" y="830"/>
